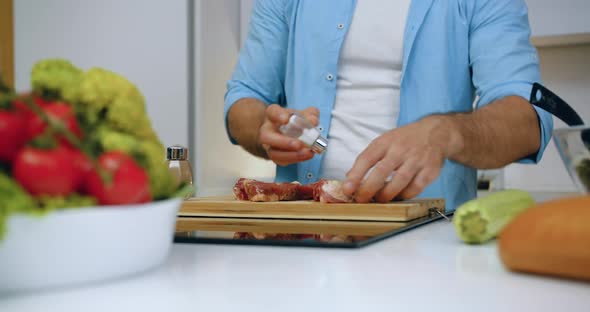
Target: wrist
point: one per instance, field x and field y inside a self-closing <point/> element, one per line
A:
<point x="245" y="118"/>
<point x="260" y="149"/>
<point x="447" y="132"/>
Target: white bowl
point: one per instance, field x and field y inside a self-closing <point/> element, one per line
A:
<point x="75" y="246"/>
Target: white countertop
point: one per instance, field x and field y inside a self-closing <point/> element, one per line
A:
<point x="424" y="269"/>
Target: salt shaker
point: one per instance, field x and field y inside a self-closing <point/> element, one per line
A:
<point x="178" y="164"/>
<point x="301" y="128"/>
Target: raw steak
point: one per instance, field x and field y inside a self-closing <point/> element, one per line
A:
<point x="240" y="190"/>
<point x="252" y="190"/>
<point x="330" y="191"/>
<point x="325" y="191"/>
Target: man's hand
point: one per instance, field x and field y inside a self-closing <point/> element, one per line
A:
<point x="255" y="126"/>
<point x="281" y="149"/>
<point x="487" y="138"/>
<point x="414" y="154"/>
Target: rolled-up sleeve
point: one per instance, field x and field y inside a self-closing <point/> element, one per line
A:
<point x="260" y="70"/>
<point x="503" y="61"/>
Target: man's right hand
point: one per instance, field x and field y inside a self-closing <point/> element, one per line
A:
<point x="281" y="149"/>
<point x="255" y="126"/>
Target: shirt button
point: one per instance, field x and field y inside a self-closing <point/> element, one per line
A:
<point x="329" y="77"/>
<point x="309" y="175"/>
<point x="340" y="26"/>
<point x="321" y="128"/>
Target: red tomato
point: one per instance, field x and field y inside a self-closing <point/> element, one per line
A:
<point x="146" y="198"/>
<point x="12" y="136"/>
<point x="21" y="106"/>
<point x="83" y="167"/>
<point x="45" y="171"/>
<point x="129" y="182"/>
<point x="57" y="111"/>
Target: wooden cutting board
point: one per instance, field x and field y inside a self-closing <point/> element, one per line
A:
<point x="228" y="206"/>
<point x="334" y="227"/>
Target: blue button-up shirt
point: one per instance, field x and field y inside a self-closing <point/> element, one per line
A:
<point x="453" y="51"/>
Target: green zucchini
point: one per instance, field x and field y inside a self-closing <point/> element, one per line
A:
<point x="481" y="219"/>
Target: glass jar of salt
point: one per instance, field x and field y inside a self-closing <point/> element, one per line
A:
<point x="179" y="165"/>
<point x="300" y="128"/>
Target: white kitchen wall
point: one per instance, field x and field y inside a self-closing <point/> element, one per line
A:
<point x="246" y="7"/>
<point x="218" y="34"/>
<point x="144" y="40"/>
<point x="556" y="18"/>
<point x="566" y="71"/>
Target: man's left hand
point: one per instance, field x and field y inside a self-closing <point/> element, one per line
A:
<point x="412" y="156"/>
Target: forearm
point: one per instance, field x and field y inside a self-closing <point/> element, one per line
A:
<point x="495" y="135"/>
<point x="244" y="120"/>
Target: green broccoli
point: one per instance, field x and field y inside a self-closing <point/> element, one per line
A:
<point x="124" y="109"/>
<point x="110" y="139"/>
<point x="50" y="203"/>
<point x="112" y="112"/>
<point x="55" y="78"/>
<point x="148" y="153"/>
<point x="13" y="198"/>
<point x="99" y="90"/>
<point x="116" y="110"/>
<point x="152" y="157"/>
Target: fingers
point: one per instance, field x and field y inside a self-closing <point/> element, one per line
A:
<point x="312" y="114"/>
<point x="430" y="166"/>
<point x="419" y="183"/>
<point x="276" y="140"/>
<point x="278" y="115"/>
<point x="283" y="158"/>
<point x="401" y="179"/>
<point x="282" y="149"/>
<point x="365" y="161"/>
<point x="375" y="180"/>
<point x="404" y="187"/>
<point x="412" y="175"/>
<point x="410" y="151"/>
<point x="388" y="190"/>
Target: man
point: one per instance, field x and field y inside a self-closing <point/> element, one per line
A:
<point x="391" y="84"/>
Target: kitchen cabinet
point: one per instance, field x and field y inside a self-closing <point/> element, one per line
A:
<point x="7" y="42"/>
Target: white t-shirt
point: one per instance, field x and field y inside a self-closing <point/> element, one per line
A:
<point x="368" y="82"/>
